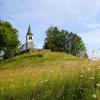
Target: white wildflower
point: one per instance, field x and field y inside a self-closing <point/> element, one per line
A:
<point x="45" y="80"/>
<point x="41" y="81"/>
<point x="91" y="78"/>
<point x="98" y="85"/>
<point x="89" y="69"/>
<point x="94" y="96"/>
<point x="81" y="76"/>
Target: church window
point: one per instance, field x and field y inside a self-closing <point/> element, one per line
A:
<point x="30" y="37"/>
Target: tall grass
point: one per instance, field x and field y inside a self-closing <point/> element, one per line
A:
<point x="52" y="76"/>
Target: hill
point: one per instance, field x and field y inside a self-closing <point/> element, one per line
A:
<point x="49" y="75"/>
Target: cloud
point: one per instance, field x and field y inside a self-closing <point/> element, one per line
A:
<point x="91" y="39"/>
<point x="80" y="16"/>
<point x="57" y="9"/>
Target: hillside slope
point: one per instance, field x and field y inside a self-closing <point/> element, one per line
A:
<point x="49" y="75"/>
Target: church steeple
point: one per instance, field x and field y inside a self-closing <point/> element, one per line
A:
<point x="29" y="39"/>
<point x="29" y="32"/>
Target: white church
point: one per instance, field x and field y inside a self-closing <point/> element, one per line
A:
<point x="29" y="41"/>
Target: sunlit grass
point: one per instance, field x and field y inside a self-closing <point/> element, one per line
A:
<point x="49" y="76"/>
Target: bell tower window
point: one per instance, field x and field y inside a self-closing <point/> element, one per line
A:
<point x="30" y="38"/>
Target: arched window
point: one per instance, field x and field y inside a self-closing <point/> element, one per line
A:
<point x="30" y="38"/>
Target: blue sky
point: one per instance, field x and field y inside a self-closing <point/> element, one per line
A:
<point x="79" y="16"/>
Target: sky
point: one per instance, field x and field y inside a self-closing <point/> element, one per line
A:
<point x="78" y="16"/>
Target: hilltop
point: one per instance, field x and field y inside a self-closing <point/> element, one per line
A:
<point x="45" y="75"/>
<point x="31" y="59"/>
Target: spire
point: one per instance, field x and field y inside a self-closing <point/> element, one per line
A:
<point x="29" y="31"/>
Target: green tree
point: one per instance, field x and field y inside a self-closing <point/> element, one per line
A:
<point x="53" y="40"/>
<point x="9" y="42"/>
<point x="64" y="41"/>
<point x="77" y="45"/>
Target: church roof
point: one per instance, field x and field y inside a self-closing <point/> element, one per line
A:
<point x="29" y="32"/>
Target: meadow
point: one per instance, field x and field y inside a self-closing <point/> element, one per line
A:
<point x="49" y="75"/>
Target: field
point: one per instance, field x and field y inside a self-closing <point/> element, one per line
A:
<point x="49" y="75"/>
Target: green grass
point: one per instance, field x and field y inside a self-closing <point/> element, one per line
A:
<point x="49" y="76"/>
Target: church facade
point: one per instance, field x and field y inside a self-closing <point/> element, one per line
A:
<point x="29" y="41"/>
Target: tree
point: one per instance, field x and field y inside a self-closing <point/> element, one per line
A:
<point x="64" y="41"/>
<point x="9" y="42"/>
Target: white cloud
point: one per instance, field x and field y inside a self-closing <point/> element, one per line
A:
<point x="92" y="37"/>
<point x="80" y="16"/>
<point x="92" y="40"/>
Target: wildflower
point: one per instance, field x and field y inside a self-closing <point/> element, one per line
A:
<point x="89" y="69"/>
<point x="41" y="81"/>
<point x="91" y="78"/>
<point x="98" y="85"/>
<point x="94" y="96"/>
<point x="81" y="76"/>
<point x="45" y="80"/>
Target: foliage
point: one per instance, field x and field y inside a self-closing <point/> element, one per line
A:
<point x="51" y="77"/>
<point x="64" y="41"/>
<point x="8" y="39"/>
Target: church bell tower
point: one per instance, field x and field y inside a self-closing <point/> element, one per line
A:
<point x="29" y="39"/>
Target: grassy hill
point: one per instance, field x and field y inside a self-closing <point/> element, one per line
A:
<point x="49" y="75"/>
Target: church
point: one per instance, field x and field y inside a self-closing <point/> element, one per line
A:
<point x="29" y="41"/>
